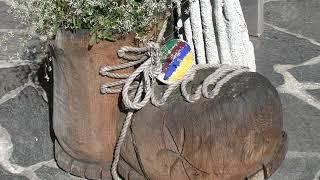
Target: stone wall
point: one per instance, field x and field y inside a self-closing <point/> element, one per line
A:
<point x="26" y="148"/>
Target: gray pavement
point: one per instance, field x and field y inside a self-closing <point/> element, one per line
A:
<point x="288" y="53"/>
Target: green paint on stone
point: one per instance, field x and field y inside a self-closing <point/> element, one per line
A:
<point x="168" y="46"/>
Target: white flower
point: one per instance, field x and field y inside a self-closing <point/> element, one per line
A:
<point x="47" y="16"/>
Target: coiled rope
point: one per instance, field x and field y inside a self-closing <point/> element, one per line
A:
<point x="138" y="88"/>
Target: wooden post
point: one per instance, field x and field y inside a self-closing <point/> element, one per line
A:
<point x="253" y="12"/>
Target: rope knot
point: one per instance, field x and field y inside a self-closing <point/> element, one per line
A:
<point x="153" y="49"/>
<point x="153" y="53"/>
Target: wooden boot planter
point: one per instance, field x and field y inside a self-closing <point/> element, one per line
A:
<point x="84" y="121"/>
<point x="235" y="135"/>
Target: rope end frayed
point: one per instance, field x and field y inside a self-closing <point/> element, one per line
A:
<point x="121" y="53"/>
<point x="103" y="71"/>
<point x="103" y="90"/>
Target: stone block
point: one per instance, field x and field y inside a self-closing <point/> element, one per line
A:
<point x="275" y="47"/>
<point x="297" y="16"/>
<point x="11" y="78"/>
<point x="26" y="118"/>
<point x="50" y="173"/>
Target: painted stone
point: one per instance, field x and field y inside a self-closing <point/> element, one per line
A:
<point x="177" y="59"/>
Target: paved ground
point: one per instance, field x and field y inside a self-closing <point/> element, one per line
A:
<point x="288" y="53"/>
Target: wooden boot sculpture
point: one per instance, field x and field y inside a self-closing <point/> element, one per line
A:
<point x="84" y="121"/>
<point x="235" y="135"/>
<point x="232" y="137"/>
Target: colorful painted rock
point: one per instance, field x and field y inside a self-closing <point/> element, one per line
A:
<point x="177" y="59"/>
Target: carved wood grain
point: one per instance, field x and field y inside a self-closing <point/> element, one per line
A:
<point x="85" y="121"/>
<point x="226" y="138"/>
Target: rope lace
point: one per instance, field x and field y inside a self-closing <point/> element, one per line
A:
<point x="137" y="93"/>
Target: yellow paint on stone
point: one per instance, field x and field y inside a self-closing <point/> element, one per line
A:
<point x="184" y="67"/>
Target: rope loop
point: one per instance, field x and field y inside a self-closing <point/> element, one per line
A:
<point x="146" y="81"/>
<point x="142" y="82"/>
<point x="153" y="53"/>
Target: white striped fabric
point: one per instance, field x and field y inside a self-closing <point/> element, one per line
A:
<point x="219" y="34"/>
<point x="197" y="34"/>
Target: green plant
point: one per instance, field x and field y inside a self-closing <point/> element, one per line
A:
<point x="105" y="19"/>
